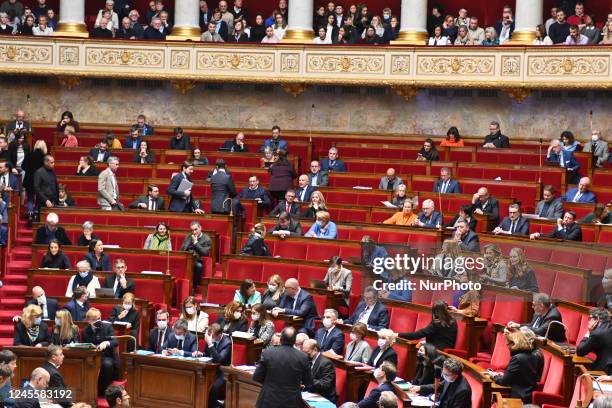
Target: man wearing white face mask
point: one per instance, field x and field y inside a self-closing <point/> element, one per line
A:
<point x="49" y="306"/>
<point x="454" y="390"/>
<point x="180" y="342"/>
<point x="384" y="375"/>
<point x="598" y="149"/>
<point x="329" y="336"/>
<point x="84" y="277"/>
<point x="158" y="335"/>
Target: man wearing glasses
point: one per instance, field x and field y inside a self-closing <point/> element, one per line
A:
<point x="514" y="223"/>
<point x="119" y="282"/>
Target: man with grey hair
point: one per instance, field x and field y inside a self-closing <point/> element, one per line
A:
<point x="598" y="148"/>
<point x="370" y="311"/>
<point x="298" y="302"/>
<point x="387" y="400"/>
<point x="51" y="231"/>
<point x="329" y="336"/>
<point x="514" y="223"/>
<point x="598" y="340"/>
<point x="332" y="162"/>
<point x="429" y="217"/>
<point x="446" y="184"/>
<point x="300" y="338"/>
<point x="605" y="300"/>
<point x="198" y="243"/>
<point x="84" y="277"/>
<point x="39" y="381"/>
<point x="605" y="401"/>
<point x="108" y="189"/>
<point x="180" y="341"/>
<point x="546" y="319"/>
<point x="153" y="31"/>
<point x="454" y="390"/>
<point x="495" y="139"/>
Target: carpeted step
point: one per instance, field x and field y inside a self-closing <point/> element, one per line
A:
<point x="14" y="290"/>
<point x="11" y="302"/>
<point x="15" y="279"/>
<point x="6" y="330"/>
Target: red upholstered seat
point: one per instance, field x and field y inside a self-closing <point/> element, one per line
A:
<point x="306" y="274"/>
<point x="346" y="251"/>
<point x="499" y="358"/>
<point x="320" y="251"/>
<point x="220" y="294"/>
<point x="605" y="236"/>
<point x="239" y="270"/>
<point x="291" y="249"/>
<point x="422" y="297"/>
<point x="553" y="383"/>
<point x="477" y="390"/>
<point x="320" y="302"/>
<point x="402" y="319"/>
<point x="286" y="271"/>
<point x="594" y="262"/>
<point x="572" y="319"/>
<point x="546" y="278"/>
<point x="568" y="287"/>
<point x="341" y="379"/>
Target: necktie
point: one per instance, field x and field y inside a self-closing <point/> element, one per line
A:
<point x="364" y="312"/>
<point x="151" y="204"/>
<point x="324" y="338"/>
<point x="179" y="345"/>
<point x="577" y="197"/>
<point x="160" y="336"/>
<point x="435" y="42"/>
<point x="444" y="186"/>
<point x="117" y="289"/>
<point x="302" y="196"/>
<point x="512" y="227"/>
<point x="288" y="208"/>
<point x="294" y="302"/>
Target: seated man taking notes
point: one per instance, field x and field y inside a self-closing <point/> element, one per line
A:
<point x="180" y="341"/>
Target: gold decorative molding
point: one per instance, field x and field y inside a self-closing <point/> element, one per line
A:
<point x="185" y="34"/>
<point x="290" y="62"/>
<point x="411" y="38"/>
<point x="592" y="65"/>
<point x="345" y="64"/>
<point x="511" y="65"/>
<point x="69" y="55"/>
<point x="456" y="65"/>
<point x="78" y="30"/>
<point x="235" y="61"/>
<point x="400" y="64"/>
<point x="26" y="54"/>
<point x="294" y="89"/>
<point x="408" y="92"/>
<point x="69" y="82"/>
<point x="179" y="59"/>
<point x="130" y="57"/>
<point x="518" y="94"/>
<point x="183" y="85"/>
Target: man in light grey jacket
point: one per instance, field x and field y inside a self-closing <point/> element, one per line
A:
<point x="108" y="189"/>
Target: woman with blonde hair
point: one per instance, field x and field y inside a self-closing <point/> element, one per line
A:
<point x="70" y="139"/>
<point x="317" y="203"/>
<point x="127" y="313"/>
<point x="448" y="260"/>
<point x="160" y="239"/>
<point x="256" y="245"/>
<point x="495" y="270"/>
<point x="384" y="349"/>
<point x="233" y="318"/>
<point x="197" y="320"/>
<point x="272" y="295"/>
<point x="65" y="331"/>
<point x="521" y="275"/>
<point x="323" y="227"/>
<point x="31" y="330"/>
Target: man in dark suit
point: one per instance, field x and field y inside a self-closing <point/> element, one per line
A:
<point x="8" y="183"/>
<point x="495" y="139"/>
<point x="180" y="341"/>
<point x="454" y="390"/>
<point x="329" y="336"/>
<point x="141" y="122"/>
<point x="219" y="349"/>
<point x="120" y="283"/>
<point x="198" y="244"/>
<point x="275" y="143"/>
<point x="117" y="397"/>
<point x="304" y="190"/>
<point x="45" y="183"/>
<point x="255" y="192"/>
<point x="101" y="334"/>
<point x="205" y="15"/>
<point x="567" y="229"/>
<point x="316" y="177"/>
<point x="55" y="358"/>
<point x="556" y="156"/>
<point x="598" y="340"/>
<point x="323" y="371"/>
<point x="78" y="305"/>
<point x="505" y="26"/>
<point x="222" y="188"/>
<point x="235" y="145"/>
<point x="581" y="194"/>
<point x="49" y="306"/>
<point x="297" y="302"/>
<point x="50" y="231"/>
<point x="101" y="153"/>
<point x="150" y="202"/>
<point x="514" y="223"/>
<point x="18" y="124"/>
<point x="429" y="217"/>
<point x="287" y="226"/>
<point x="332" y="162"/>
<point x="288" y="205"/>
<point x="384" y="376"/>
<point x="282" y="370"/>
<point x="545" y="313"/>
<point x="158" y="335"/>
<point x="134" y="139"/>
<point x="39" y="381"/>
<point x="370" y="311"/>
<point x="484" y="204"/>
<point x="550" y="207"/>
<point x="446" y="184"/>
<point x="182" y="201"/>
<point x="468" y="240"/>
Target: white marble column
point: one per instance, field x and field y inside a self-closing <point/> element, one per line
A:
<point x="528" y="15"/>
<point x="186" y="20"/>
<point x="413" y="23"/>
<point x="72" y="19"/>
<point x="299" y="27"/>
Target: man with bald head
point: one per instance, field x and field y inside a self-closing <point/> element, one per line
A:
<point x="297" y="302"/>
<point x="15" y="126"/>
<point x="390" y="181"/>
<point x="49" y="306"/>
<point x="581" y="194"/>
<point x="323" y="371"/>
<point x="484" y="204"/>
<point x="429" y="217"/>
<point x="39" y="381"/>
<point x="304" y="190"/>
<point x="317" y="177"/>
<point x="556" y="156"/>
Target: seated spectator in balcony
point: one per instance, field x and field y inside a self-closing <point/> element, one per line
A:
<point x="127" y="313"/>
<point x="405" y="217"/>
<point x="42" y="29"/>
<point x="85" y="278"/>
<point x="96" y="257"/>
<point x="332" y="162"/>
<point x="541" y="38"/>
<point x="233" y="318"/>
<point x="465" y="302"/>
<point x="450" y="29"/>
<point x="342" y="37"/>
<point x="304" y="190"/>
<point x="462" y="37"/>
<point x="390" y="181"/>
<point x="428" y="151"/>
<point x="160" y="240"/>
<point x="550" y="207"/>
<point x="63" y="198"/>
<point x="257" y="31"/>
<point x="5" y="27"/>
<point x="446" y="184"/>
<point x="152" y="11"/>
<point x="239" y="35"/>
<point x="600" y="215"/>
<point x="331" y="29"/>
<point x="495" y="139"/>
<point x="198" y="244"/>
<point x="358" y="350"/>
<point x="607" y="32"/>
<point x="256" y="245"/>
<point x="125" y="30"/>
<point x="154" y="32"/>
<point x="560" y="29"/>
<point x="226" y="15"/>
<point x="279" y="26"/>
<point x="446" y="263"/>
<point x="235" y="145"/>
<point x="261" y="327"/>
<point x="579" y="17"/>
<point x="67" y="120"/>
<point x="99" y="154"/>
<point x="323" y="227"/>
<point x="270" y="37"/>
<point x="144" y="155"/>
<point x="436" y="18"/>
<point x="552" y="19"/>
<point x="465" y="213"/>
<point x="317" y="203"/>
<point x="575" y="37"/>
<point x="55" y="258"/>
<point x="135" y="25"/>
<point x="27" y="27"/>
<point x="370" y="37"/>
<point x="212" y="35"/>
<point x="119" y="282"/>
<point x="567" y="229"/>
<point x="180" y="341"/>
<point x="598" y="340"/>
<point x="521" y="276"/>
<point x="51" y="231"/>
<point x="581" y="194"/>
<point x="590" y="31"/>
<point x="467" y="239"/>
<point x="14" y="10"/>
<point x="317" y="178"/>
<point x="484" y="204"/>
<point x="150" y="202"/>
<point x="598" y="149"/>
<point x="78" y="305"/>
<point x="65" y="331"/>
<point x="505" y="26"/>
<point x="370" y="311"/>
<point x="495" y="271"/>
<point x="273" y="294"/>
<point x="438" y="39"/>
<point x="197" y="320"/>
<point x="30" y="330"/>
<point x="39" y="8"/>
<point x="514" y="223"/>
<point x="476" y="34"/>
<point x="322" y="38"/>
<point x="287" y="226"/>
<point x="453" y="138"/>
<point x="113" y="21"/>
<point x="441" y="332"/>
<point x="102" y="30"/>
<point x="166" y="27"/>
<point x="429" y="217"/>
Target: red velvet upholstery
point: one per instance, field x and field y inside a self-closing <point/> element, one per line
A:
<point x="341" y="379"/>
<point x="499" y="358"/>
<point x="402" y="319"/>
<point x="239" y="353"/>
<point x="220" y="293"/>
<point x="553" y="382"/>
<point x="477" y="391"/>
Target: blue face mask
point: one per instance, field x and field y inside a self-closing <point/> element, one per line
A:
<point x="38" y="321"/>
<point x="83" y="274"/>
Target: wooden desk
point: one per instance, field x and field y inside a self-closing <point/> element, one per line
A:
<point x="80" y="369"/>
<point x="168" y="382"/>
<point x="355" y="379"/>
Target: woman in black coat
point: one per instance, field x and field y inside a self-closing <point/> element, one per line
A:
<point x="384" y="350"/>
<point x="233" y="318"/>
<point x="282" y="174"/>
<point x="126" y="313"/>
<point x="33" y="162"/>
<point x="441" y="332"/>
<point x="55" y="258"/>
<point x="255" y="245"/>
<point x="258" y="30"/>
<point x="67" y="119"/>
<point x="31" y="330"/>
<point x="428" y="362"/>
<point x="19" y="150"/>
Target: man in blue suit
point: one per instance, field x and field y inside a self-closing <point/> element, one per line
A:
<point x="78" y="305"/>
<point x="581" y="194"/>
<point x="332" y="162"/>
<point x="557" y="156"/>
<point x="329" y="336"/>
<point x="219" y="349"/>
<point x="133" y="140"/>
<point x="182" y="201"/>
<point x="514" y="223"/>
<point x="49" y="306"/>
<point x="8" y="183"/>
<point x="370" y="311"/>
<point x="276" y="143"/>
<point x="429" y="217"/>
<point x="384" y="376"/>
<point x="304" y="190"/>
<point x="297" y="302"/>
<point x="180" y="341"/>
<point x="446" y="184"/>
<point x="142" y="125"/>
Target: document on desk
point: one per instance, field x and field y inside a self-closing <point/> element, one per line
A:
<point x="310" y="397"/>
<point x="605" y="387"/>
<point x="420" y="401"/>
<point x="144" y="352"/>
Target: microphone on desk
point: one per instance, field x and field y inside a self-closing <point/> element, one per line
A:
<point x="555" y="322"/>
<point x="127" y="336"/>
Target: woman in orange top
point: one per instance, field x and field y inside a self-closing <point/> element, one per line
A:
<point x="453" y="138"/>
<point x="404" y="217"/>
<point x="69" y="139"/>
